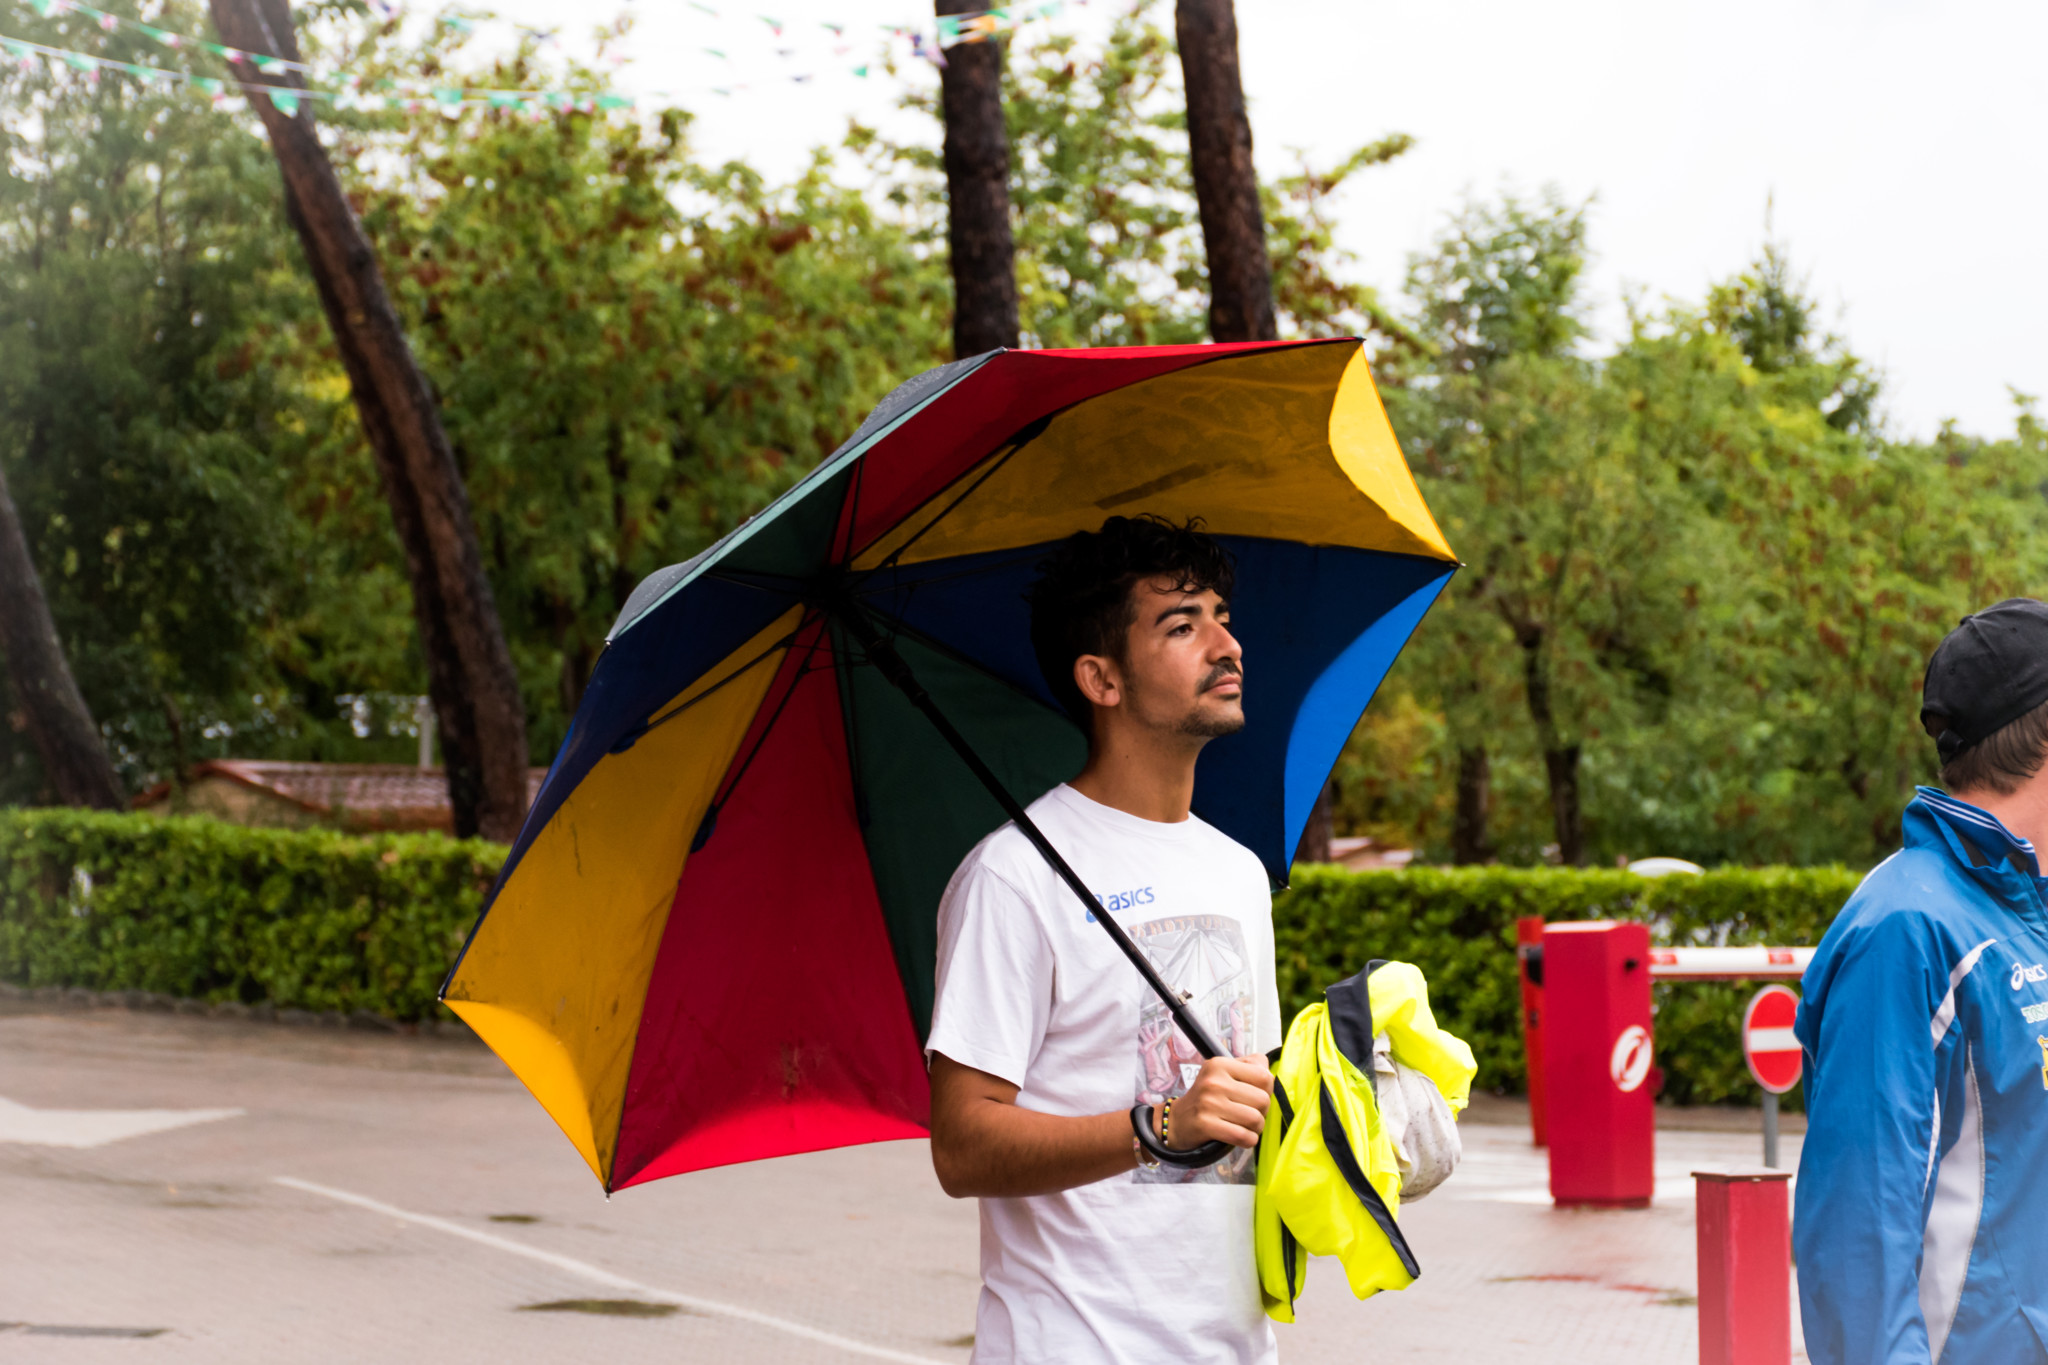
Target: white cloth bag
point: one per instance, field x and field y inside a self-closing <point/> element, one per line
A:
<point x="1426" y="1143"/>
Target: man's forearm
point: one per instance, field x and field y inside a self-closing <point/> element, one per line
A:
<point x="992" y="1150"/>
<point x="984" y="1145"/>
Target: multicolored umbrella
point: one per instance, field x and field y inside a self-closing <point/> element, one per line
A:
<point x="714" y="940"/>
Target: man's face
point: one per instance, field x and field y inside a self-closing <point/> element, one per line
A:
<point x="1182" y="669"/>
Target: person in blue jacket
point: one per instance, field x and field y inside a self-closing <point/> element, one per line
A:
<point x="1920" y="1223"/>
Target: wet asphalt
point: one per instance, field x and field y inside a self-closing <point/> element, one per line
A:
<point x="358" y="1196"/>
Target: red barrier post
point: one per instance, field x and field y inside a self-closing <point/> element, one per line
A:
<point x="1600" y="1118"/>
<point x="1529" y="957"/>
<point x="1745" y="1266"/>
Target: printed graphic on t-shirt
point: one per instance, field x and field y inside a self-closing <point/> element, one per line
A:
<point x="1205" y="956"/>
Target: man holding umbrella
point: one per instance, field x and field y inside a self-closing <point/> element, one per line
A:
<point x="679" y="993"/>
<point x="1042" y="1037"/>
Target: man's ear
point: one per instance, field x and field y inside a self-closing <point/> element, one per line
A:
<point x="1099" y="679"/>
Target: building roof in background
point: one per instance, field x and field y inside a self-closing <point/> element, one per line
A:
<point x="363" y="796"/>
<point x="1364" y="855"/>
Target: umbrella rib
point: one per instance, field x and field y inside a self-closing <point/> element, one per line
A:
<point x="1025" y="435"/>
<point x="850" y="725"/>
<point x="866" y="587"/>
<point x="940" y="647"/>
<point x="860" y="473"/>
<point x="732" y="784"/>
<point x="632" y="737"/>
<point x="746" y="578"/>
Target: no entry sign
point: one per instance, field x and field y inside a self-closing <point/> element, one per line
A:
<point x="1768" y="1044"/>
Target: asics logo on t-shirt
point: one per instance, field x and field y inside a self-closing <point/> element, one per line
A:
<point x="1123" y="900"/>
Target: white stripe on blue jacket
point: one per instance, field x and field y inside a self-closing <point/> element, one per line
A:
<point x="1920" y="1221"/>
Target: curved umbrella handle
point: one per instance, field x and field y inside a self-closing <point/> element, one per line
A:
<point x="1208" y="1154"/>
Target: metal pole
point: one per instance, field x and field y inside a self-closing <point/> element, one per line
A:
<point x="1529" y="956"/>
<point x="1771" y="1129"/>
<point x="1743" y="1236"/>
<point x="423" y="717"/>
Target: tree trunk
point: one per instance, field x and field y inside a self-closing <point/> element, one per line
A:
<point x="1470" y="836"/>
<point x="1315" y="835"/>
<point x="1560" y="760"/>
<point x="73" y="752"/>
<point x="978" y="193"/>
<point x="1226" y="185"/>
<point x="1562" y="766"/>
<point x="477" y="705"/>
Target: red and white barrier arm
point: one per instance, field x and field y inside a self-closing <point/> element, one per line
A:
<point x="1729" y="964"/>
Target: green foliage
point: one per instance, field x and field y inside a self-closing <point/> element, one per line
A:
<point x="1310" y="292"/>
<point x="203" y="910"/>
<point x="1107" y="240"/>
<point x="1458" y="926"/>
<point x="1571" y="616"/>
<point x="1108" y="235"/>
<point x="1503" y="284"/>
<point x="144" y="274"/>
<point x="635" y="351"/>
<point x="1701" y="579"/>
<point x="1108" y="245"/>
<point x="316" y="920"/>
<point x="1698" y="576"/>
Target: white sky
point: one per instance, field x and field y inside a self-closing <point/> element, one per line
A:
<point x="1901" y="144"/>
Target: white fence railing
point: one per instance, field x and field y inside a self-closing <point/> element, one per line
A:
<point x="1729" y="964"/>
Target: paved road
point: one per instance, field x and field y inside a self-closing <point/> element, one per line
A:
<point x="253" y="1192"/>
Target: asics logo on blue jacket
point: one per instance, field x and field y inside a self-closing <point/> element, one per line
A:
<point x="1921" y="1212"/>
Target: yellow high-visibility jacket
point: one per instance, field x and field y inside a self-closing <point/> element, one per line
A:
<point x="1329" y="1183"/>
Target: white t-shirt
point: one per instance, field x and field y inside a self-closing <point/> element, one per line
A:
<point x="1150" y="1265"/>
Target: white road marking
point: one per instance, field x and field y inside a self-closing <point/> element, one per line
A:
<point x="599" y="1276"/>
<point x="95" y="1127"/>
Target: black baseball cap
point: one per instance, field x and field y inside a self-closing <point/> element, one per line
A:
<point x="1991" y="670"/>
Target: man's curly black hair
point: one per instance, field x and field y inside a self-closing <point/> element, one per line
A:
<point x="1082" y="602"/>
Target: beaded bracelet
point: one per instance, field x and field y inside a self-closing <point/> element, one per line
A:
<point x="1166" y="1123"/>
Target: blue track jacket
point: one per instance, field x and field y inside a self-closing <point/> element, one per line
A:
<point x="1921" y="1217"/>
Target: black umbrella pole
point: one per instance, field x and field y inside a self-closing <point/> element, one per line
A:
<point x="882" y="654"/>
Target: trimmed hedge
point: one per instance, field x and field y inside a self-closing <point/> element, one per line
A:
<point x="309" y="919"/>
<point x="1458" y="925"/>
<point x="198" y="909"/>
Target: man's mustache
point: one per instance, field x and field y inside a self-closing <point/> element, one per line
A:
<point x="1226" y="668"/>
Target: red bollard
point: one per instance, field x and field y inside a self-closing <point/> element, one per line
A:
<point x="1599" y="1117"/>
<point x="1745" y="1266"/>
<point x="1529" y="955"/>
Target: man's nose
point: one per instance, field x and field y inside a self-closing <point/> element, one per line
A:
<point x="1226" y="647"/>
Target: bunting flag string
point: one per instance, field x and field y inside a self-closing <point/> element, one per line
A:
<point x="404" y="94"/>
<point x="416" y="95"/>
<point x="955" y="29"/>
<point x="286" y="97"/>
<point x="269" y="66"/>
<point x="396" y="94"/>
<point x="952" y="30"/>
